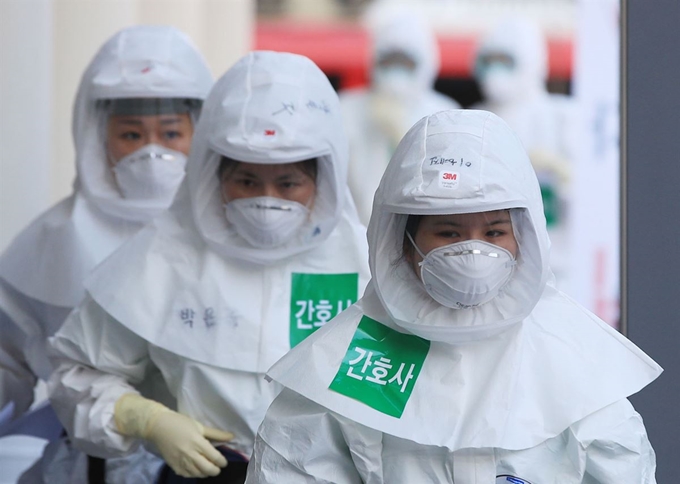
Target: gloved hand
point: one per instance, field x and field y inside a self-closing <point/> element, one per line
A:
<point x="181" y="440"/>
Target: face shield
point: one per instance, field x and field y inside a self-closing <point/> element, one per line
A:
<point x="146" y="141"/>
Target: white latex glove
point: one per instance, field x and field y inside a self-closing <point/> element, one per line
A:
<point x="181" y="440"/>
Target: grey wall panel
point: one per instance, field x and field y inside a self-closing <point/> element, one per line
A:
<point x="651" y="234"/>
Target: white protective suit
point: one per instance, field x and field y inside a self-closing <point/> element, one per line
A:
<point x="544" y="122"/>
<point x="42" y="272"/>
<point x="189" y="297"/>
<point x="527" y="388"/>
<point x="377" y="117"/>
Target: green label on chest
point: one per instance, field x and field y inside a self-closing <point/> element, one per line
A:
<point x="317" y="298"/>
<point x="381" y="367"/>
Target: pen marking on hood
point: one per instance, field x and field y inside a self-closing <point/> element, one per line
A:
<point x="269" y="132"/>
<point x="287" y="108"/>
<point x="440" y="160"/>
<point x="322" y="106"/>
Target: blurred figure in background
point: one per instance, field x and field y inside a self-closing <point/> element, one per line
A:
<point x="512" y="68"/>
<point x="133" y="123"/>
<point x="405" y="64"/>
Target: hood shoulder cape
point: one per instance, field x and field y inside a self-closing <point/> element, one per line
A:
<point x="511" y="391"/>
<point x="169" y="287"/>
<point x="61" y="247"/>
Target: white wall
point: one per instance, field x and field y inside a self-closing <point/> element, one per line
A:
<point x="25" y="112"/>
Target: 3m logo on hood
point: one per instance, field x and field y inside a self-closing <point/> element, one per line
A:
<point x="448" y="179"/>
<point x="506" y="479"/>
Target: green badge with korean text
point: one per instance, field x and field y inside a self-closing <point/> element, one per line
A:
<point x="316" y="299"/>
<point x="381" y="367"/>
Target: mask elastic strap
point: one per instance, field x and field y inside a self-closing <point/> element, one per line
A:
<point x="415" y="246"/>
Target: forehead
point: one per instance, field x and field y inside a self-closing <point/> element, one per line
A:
<point x="477" y="219"/>
<point x="150" y="121"/>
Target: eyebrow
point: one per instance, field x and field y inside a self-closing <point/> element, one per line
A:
<point x="499" y="221"/>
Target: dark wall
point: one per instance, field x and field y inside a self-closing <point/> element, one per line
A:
<point x="651" y="236"/>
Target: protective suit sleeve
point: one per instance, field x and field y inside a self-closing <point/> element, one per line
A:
<point x="16" y="378"/>
<point x="25" y="324"/>
<point x="617" y="449"/>
<point x="303" y="442"/>
<point x="97" y="360"/>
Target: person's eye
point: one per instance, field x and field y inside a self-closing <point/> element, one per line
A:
<point x="449" y="234"/>
<point x="172" y="134"/>
<point x="130" y="136"/>
<point x="244" y="182"/>
<point x="287" y="185"/>
<point x="495" y="233"/>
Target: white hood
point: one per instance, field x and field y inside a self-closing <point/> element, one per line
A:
<point x="269" y="108"/>
<point x="403" y="29"/>
<point x="63" y="245"/>
<point x="137" y="62"/>
<point x="492" y="173"/>
<point x="522" y="40"/>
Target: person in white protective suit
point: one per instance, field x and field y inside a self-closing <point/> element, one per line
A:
<point x="132" y="125"/>
<point x="262" y="248"/>
<point x="405" y="63"/>
<point x="511" y="67"/>
<point x="462" y="362"/>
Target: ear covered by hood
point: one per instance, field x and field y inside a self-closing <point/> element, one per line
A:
<point x="403" y="29"/>
<point x="458" y="161"/>
<point x="269" y="108"/>
<point x="138" y="62"/>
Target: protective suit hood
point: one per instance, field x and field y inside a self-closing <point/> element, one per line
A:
<point x="457" y="162"/>
<point x="138" y="62"/>
<point x="402" y="29"/>
<point x="269" y="108"/>
<point x="66" y="242"/>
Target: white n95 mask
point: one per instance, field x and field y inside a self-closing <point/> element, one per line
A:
<point x="266" y="222"/>
<point x="153" y="172"/>
<point x="398" y="81"/>
<point x="465" y="274"/>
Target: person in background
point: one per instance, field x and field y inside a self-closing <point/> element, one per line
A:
<point x="511" y="68"/>
<point x="462" y="363"/>
<point x="260" y="249"/>
<point x="405" y="64"/>
<point x="133" y="122"/>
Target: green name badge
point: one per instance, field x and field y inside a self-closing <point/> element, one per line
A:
<point x="381" y="367"/>
<point x="316" y="299"/>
